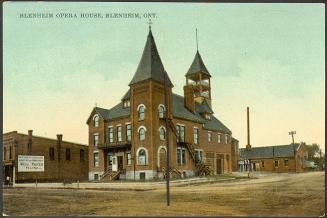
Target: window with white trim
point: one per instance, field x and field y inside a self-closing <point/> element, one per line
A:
<point x="141" y="112"/>
<point x="219" y="138"/>
<point x="226" y="139"/>
<point x="126" y="103"/>
<point x="96" y="120"/>
<point x="96" y="139"/>
<point x="162" y="132"/>
<point x="119" y="134"/>
<point x="141" y="133"/>
<point x="141" y="157"/>
<point x="196" y="135"/>
<point x="161" y="110"/>
<point x="111" y="135"/>
<point x="96" y="159"/>
<point x="128" y="132"/>
<point x="209" y="136"/>
<point x="180" y="133"/>
<point x="181" y="158"/>
<point x="129" y="159"/>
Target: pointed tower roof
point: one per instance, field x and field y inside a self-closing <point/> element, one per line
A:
<point x="197" y="66"/>
<point x="150" y="66"/>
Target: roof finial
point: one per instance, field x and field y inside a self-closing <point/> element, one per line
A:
<point x="196" y="34"/>
<point x="149" y="24"/>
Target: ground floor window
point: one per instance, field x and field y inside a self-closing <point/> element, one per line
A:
<point x="276" y="163"/>
<point x="129" y="159"/>
<point x="286" y="163"/>
<point x="96" y="176"/>
<point x="198" y="156"/>
<point x="96" y="159"/>
<point x="181" y="156"/>
<point x="141" y="157"/>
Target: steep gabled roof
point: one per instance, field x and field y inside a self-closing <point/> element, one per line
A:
<point x="150" y="66"/>
<point x="269" y="151"/>
<point x="197" y="66"/>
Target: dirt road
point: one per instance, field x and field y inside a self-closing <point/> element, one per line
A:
<point x="272" y="195"/>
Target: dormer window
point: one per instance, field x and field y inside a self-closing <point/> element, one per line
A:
<point x="96" y="120"/>
<point x="207" y="116"/>
<point x="127" y="104"/>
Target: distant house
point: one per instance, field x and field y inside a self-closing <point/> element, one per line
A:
<point x="278" y="158"/>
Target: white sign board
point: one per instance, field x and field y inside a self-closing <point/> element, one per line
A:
<point x="28" y="163"/>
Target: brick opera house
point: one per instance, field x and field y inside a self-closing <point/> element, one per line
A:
<point x="63" y="161"/>
<point x="128" y="141"/>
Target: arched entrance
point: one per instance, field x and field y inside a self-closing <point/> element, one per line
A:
<point x="161" y="157"/>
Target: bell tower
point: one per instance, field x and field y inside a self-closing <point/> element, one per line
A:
<point x="198" y="79"/>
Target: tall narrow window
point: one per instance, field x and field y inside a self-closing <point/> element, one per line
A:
<point x="161" y="111"/>
<point x="286" y="163"/>
<point x="4" y="153"/>
<point x="141" y="110"/>
<point x="276" y="163"/>
<point x="96" y="120"/>
<point x="111" y="135"/>
<point x="129" y="159"/>
<point x="209" y="136"/>
<point x="181" y="158"/>
<point x="81" y="155"/>
<point x="96" y="139"/>
<point x="180" y="133"/>
<point x="51" y="153"/>
<point x="67" y="153"/>
<point x="219" y="138"/>
<point x="141" y="157"/>
<point x="142" y="133"/>
<point x="119" y="135"/>
<point x="96" y="159"/>
<point x="198" y="156"/>
<point x="10" y="151"/>
<point x="226" y="139"/>
<point x="162" y="132"/>
<point x="128" y="132"/>
<point x="196" y="135"/>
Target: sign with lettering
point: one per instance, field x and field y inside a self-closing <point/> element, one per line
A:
<point x="28" y="163"/>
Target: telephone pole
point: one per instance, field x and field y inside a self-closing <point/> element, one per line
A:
<point x="292" y="133"/>
<point x="167" y="140"/>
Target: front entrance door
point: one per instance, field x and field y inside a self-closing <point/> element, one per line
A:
<point x="120" y="162"/>
<point x="109" y="161"/>
<point x="218" y="166"/>
<point x="114" y="164"/>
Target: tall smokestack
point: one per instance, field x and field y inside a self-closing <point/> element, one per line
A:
<point x="248" y="146"/>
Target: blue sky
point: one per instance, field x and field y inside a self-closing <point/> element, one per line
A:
<point x="269" y="57"/>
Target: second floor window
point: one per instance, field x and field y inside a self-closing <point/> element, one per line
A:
<point x="140" y="111"/>
<point x="95" y="139"/>
<point x="96" y="159"/>
<point x="119" y="135"/>
<point x="4" y="153"/>
<point x="51" y="153"/>
<point x="111" y="135"/>
<point x="196" y="135"/>
<point x="180" y="133"/>
<point x="181" y="158"/>
<point x="10" y="151"/>
<point x="142" y="133"/>
<point x="209" y="136"/>
<point x="128" y="132"/>
<point x="226" y="139"/>
<point x="219" y="138"/>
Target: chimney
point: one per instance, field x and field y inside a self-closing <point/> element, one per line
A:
<point x="189" y="98"/>
<point x="248" y="146"/>
<point x="29" y="143"/>
<point x="59" y="143"/>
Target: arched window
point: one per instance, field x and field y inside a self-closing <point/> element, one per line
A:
<point x="140" y="111"/>
<point x="141" y="156"/>
<point x="141" y="132"/>
<point x="96" y="120"/>
<point x="161" y="110"/>
<point x="162" y="132"/>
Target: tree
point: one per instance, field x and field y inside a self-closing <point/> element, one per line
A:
<point x="315" y="154"/>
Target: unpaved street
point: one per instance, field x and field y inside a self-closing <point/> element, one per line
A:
<point x="271" y="195"/>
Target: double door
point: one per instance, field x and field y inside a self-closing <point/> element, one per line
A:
<point x="115" y="163"/>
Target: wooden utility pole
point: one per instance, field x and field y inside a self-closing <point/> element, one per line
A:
<point x="167" y="141"/>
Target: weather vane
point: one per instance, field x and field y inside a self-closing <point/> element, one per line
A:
<point x="150" y="22"/>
